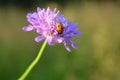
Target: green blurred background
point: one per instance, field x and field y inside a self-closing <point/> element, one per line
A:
<point x="98" y="56"/>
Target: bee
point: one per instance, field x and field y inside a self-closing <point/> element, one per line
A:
<point x="59" y="28"/>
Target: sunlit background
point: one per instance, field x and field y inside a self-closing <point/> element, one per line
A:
<point x="98" y="55"/>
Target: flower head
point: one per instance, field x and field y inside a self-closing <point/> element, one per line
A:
<point x="53" y="26"/>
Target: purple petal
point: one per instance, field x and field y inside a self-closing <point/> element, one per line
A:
<point x="38" y="9"/>
<point x="33" y="18"/>
<point x="55" y="10"/>
<point x="29" y="15"/>
<point x="39" y="38"/>
<point x="78" y="33"/>
<point x="59" y="40"/>
<point x="50" y="40"/>
<point x="73" y="44"/>
<point x="39" y="31"/>
<point x="48" y="11"/>
<point x="28" y="28"/>
<point x="66" y="46"/>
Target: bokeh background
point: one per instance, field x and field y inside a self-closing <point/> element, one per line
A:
<point x="98" y="56"/>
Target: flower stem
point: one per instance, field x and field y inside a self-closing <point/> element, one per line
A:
<point x="25" y="74"/>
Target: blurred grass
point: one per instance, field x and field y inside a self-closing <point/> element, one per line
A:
<point x="96" y="59"/>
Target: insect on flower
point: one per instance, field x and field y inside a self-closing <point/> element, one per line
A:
<point x="59" y="28"/>
<point x="52" y="26"/>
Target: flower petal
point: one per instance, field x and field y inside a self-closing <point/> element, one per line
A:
<point x="33" y="18"/>
<point x="73" y="44"/>
<point x="50" y="40"/>
<point x="39" y="38"/>
<point x="39" y="31"/>
<point x="66" y="46"/>
<point x="28" y="28"/>
<point x="38" y="9"/>
<point x="48" y="11"/>
<point x="59" y="39"/>
<point x="78" y="33"/>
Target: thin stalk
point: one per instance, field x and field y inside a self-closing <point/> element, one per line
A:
<point x="31" y="66"/>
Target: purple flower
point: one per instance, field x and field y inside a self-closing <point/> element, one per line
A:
<point x="53" y="26"/>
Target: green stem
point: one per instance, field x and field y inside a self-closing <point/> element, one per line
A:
<point x="25" y="74"/>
